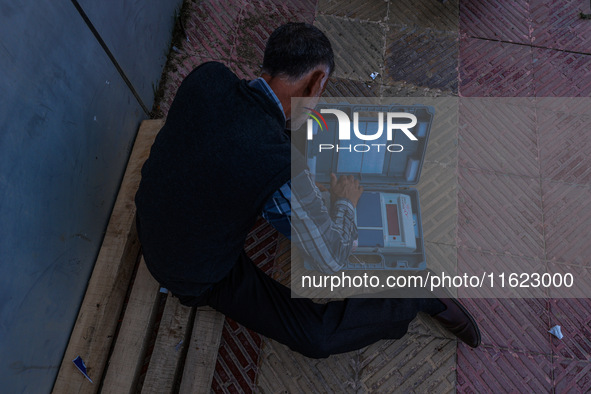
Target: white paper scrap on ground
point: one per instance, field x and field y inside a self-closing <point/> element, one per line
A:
<point x="556" y="332"/>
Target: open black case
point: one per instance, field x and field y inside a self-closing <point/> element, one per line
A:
<point x="388" y="214"/>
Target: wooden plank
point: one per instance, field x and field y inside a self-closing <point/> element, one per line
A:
<point x="129" y="351"/>
<point x="203" y="352"/>
<point x="97" y="319"/>
<point x="168" y="353"/>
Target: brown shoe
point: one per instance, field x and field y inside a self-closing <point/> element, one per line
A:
<point x="457" y="320"/>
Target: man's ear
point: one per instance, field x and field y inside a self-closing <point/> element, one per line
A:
<point x="314" y="83"/>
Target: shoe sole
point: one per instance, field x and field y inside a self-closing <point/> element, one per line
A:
<point x="467" y="313"/>
<point x="462" y="308"/>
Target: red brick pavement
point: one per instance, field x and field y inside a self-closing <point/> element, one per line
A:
<point x="561" y="74"/>
<point x="492" y="370"/>
<point x="422" y="57"/>
<point x="500" y="213"/>
<point x="495" y="69"/>
<point x="496" y="20"/>
<point x="556" y="24"/>
<point x="519" y="324"/>
<point x="499" y="135"/>
<point x="576" y="327"/>
<point x="571" y="376"/>
<point x="526" y="48"/>
<point x="567" y="219"/>
<point x="238" y="356"/>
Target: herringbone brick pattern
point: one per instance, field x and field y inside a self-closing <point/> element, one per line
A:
<point x="257" y="21"/>
<point x="572" y="315"/>
<point x="442" y="258"/>
<point x="561" y="74"/>
<point x="425" y="14"/>
<point x="438" y="195"/>
<point x="355" y="9"/>
<point x="493" y="370"/>
<point x="408" y="89"/>
<point x="557" y="65"/>
<point x="557" y="25"/>
<point x="415" y="363"/>
<point x="543" y="147"/>
<point x="283" y="370"/>
<point x="422" y="57"/>
<point x="563" y="130"/>
<point x="358" y="46"/>
<point x="424" y="325"/>
<point x="571" y="376"/>
<point x="513" y="324"/>
<point x="212" y="29"/>
<point x="339" y="87"/>
<point x="237" y="364"/>
<point x="499" y="135"/>
<point x="580" y="276"/>
<point x="479" y="263"/>
<point x="500" y="213"/>
<point x="496" y="20"/>
<point x="442" y="148"/>
<point x="495" y="69"/>
<point x="304" y="6"/>
<point x="567" y="216"/>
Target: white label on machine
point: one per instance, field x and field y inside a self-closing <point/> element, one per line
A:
<point x="385" y="223"/>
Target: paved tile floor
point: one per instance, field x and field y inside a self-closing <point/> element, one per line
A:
<point x="526" y="203"/>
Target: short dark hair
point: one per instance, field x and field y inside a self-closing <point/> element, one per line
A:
<point x="295" y="49"/>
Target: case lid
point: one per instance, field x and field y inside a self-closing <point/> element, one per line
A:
<point x="376" y="160"/>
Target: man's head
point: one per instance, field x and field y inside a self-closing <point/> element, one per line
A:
<point x="297" y="63"/>
<point x="295" y="49"/>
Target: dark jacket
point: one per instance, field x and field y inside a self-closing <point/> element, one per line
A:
<point x="220" y="155"/>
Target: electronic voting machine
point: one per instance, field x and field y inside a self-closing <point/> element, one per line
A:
<point x="388" y="214"/>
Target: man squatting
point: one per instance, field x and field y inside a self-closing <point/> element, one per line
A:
<point x="222" y="159"/>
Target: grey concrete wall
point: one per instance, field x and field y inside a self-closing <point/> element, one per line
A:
<point x="67" y="125"/>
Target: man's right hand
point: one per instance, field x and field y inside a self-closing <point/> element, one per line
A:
<point x="345" y="187"/>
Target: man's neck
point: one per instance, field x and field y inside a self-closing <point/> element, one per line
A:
<point x="283" y="90"/>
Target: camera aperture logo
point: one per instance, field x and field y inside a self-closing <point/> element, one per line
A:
<point x="315" y="117"/>
<point x="393" y="122"/>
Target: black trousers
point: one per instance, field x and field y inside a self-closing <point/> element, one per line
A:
<point x="253" y="299"/>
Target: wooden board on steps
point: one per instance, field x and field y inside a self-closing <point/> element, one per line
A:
<point x="115" y="364"/>
<point x="169" y="349"/>
<point x="203" y="351"/>
<point x="126" y="362"/>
